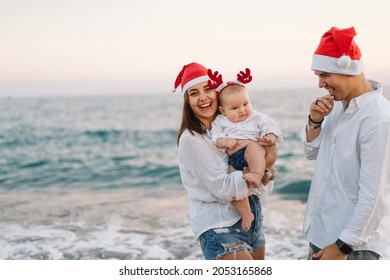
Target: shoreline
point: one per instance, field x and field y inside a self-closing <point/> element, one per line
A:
<point x="126" y="224"/>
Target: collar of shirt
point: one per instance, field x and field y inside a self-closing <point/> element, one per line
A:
<point x="361" y="100"/>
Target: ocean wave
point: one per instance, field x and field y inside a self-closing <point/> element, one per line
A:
<point x="88" y="158"/>
<point x="104" y="177"/>
<point x="105" y="143"/>
<point x="297" y="190"/>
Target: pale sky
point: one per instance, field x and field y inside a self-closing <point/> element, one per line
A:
<point x="78" y="47"/>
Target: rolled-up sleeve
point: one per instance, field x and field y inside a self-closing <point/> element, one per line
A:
<point x="268" y="125"/>
<point x="310" y="149"/>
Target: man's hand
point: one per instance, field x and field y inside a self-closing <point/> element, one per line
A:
<point x="321" y="107"/>
<point x="330" y="252"/>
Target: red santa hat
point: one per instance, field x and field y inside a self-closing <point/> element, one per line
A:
<point x="191" y="74"/>
<point x="338" y="53"/>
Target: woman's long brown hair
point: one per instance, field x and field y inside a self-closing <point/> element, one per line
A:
<point x="189" y="120"/>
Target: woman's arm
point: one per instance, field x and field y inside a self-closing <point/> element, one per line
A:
<point x="203" y="169"/>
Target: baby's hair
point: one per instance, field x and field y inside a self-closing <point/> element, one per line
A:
<point x="228" y="90"/>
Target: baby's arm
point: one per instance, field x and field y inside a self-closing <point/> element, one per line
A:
<point x="228" y="143"/>
<point x="268" y="139"/>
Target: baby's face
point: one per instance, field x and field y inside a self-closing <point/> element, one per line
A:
<point x="235" y="104"/>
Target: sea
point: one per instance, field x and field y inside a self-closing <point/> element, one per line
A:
<point x="97" y="177"/>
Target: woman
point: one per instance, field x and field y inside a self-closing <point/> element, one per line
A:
<point x="203" y="170"/>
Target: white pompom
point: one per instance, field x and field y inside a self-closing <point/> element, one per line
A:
<point x="344" y="61"/>
<point x="173" y="90"/>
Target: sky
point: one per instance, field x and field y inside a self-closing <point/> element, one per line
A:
<point x="87" y="47"/>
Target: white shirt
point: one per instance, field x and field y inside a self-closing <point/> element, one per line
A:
<point x="349" y="196"/>
<point x="203" y="171"/>
<point x="256" y="124"/>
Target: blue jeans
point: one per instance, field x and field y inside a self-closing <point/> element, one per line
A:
<point x="237" y="160"/>
<point x="355" y="255"/>
<point x="214" y="242"/>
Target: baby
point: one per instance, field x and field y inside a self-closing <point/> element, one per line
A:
<point x="248" y="136"/>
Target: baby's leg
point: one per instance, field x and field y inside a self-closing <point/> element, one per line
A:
<point x="271" y="155"/>
<point x="270" y="159"/>
<point x="243" y="208"/>
<point x="255" y="157"/>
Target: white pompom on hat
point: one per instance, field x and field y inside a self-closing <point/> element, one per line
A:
<point x="338" y="53"/>
<point x="190" y="75"/>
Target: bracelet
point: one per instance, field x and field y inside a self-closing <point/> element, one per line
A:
<point x="313" y="126"/>
<point x="320" y="122"/>
<point x="316" y="126"/>
<point x="344" y="247"/>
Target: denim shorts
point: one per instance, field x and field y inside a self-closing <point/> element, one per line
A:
<point x="214" y="241"/>
<point x="355" y="255"/>
<point x="237" y="160"/>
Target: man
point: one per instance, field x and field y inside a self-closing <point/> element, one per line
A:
<point x="348" y="133"/>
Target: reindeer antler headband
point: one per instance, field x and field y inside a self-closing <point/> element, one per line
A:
<point x="218" y="84"/>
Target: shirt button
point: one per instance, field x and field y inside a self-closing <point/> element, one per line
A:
<point x="334" y="141"/>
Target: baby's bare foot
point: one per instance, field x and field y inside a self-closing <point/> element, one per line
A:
<point x="253" y="178"/>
